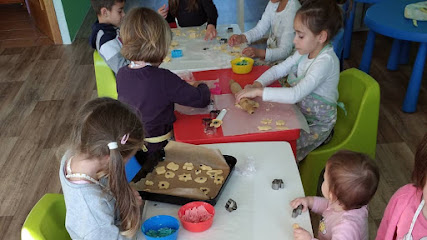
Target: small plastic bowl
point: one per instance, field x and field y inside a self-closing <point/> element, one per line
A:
<point x="160" y="221"/>
<point x="242" y="69"/>
<point x="200" y="226"/>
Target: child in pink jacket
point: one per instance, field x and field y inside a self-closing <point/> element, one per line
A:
<point x="406" y="214"/>
<point x="351" y="180"/>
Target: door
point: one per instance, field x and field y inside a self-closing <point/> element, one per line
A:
<point x="44" y="16"/>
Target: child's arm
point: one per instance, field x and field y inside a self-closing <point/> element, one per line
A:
<point x="179" y="91"/>
<point x="211" y="11"/>
<point x="262" y="26"/>
<point x="315" y="76"/>
<point x="110" y="51"/>
<point x="280" y="70"/>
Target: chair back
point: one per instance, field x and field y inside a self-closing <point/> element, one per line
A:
<point x="46" y="220"/>
<point x="356" y="131"/>
<point x="105" y="78"/>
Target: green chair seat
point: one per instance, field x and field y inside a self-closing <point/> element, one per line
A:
<point x="105" y="78"/>
<point x="46" y="220"/>
<point x="357" y="131"/>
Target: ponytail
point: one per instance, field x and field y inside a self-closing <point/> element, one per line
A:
<point x="125" y="200"/>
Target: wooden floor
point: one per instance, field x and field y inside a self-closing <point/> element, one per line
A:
<point x="41" y="89"/>
<point x="17" y="28"/>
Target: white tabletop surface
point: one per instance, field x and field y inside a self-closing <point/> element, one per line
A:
<point x="195" y="58"/>
<point x="262" y="213"/>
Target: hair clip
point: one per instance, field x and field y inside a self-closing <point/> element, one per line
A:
<point x="112" y="145"/>
<point x="124" y="139"/>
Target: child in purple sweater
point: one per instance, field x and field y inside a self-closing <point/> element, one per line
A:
<point x="351" y="180"/>
<point x="152" y="90"/>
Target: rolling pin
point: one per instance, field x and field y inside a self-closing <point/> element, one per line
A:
<point x="246" y="104"/>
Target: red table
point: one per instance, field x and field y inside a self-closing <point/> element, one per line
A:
<point x="189" y="128"/>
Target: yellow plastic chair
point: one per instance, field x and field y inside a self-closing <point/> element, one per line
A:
<point x="357" y="131"/>
<point x="105" y="78"/>
<point x="46" y="220"/>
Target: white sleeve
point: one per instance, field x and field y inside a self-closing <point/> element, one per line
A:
<point x="316" y="74"/>
<point x="263" y="25"/>
<point x="286" y="32"/>
<point x="280" y="70"/>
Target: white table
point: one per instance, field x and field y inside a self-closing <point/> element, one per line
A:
<point x="262" y="213"/>
<point x="198" y="54"/>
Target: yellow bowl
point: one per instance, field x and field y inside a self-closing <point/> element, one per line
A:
<point x="242" y="69"/>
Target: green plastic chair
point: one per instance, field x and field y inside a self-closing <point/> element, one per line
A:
<point x="357" y="131"/>
<point x="105" y="78"/>
<point x="46" y="220"/>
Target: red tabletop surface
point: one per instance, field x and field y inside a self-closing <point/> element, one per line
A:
<point x="189" y="128"/>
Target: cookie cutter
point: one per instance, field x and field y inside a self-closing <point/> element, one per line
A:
<point x="230" y="29"/>
<point x="208" y="129"/>
<point x="216" y="122"/>
<point x="277" y="183"/>
<point x="297" y="211"/>
<point x="231" y="205"/>
<point x="176" y="53"/>
<point x="214" y="113"/>
<point x="223" y="40"/>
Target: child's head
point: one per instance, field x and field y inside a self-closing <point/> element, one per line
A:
<point x="109" y="11"/>
<point x="419" y="174"/>
<point x="351" y="178"/>
<point x="103" y="121"/>
<point x="146" y="36"/>
<point x="315" y="24"/>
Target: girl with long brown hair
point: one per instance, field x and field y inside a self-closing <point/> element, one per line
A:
<point x="191" y="13"/>
<point x="99" y="201"/>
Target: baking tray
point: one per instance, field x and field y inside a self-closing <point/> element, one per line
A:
<point x="231" y="161"/>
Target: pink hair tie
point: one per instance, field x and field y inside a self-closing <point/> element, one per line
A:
<point x="124" y="139"/>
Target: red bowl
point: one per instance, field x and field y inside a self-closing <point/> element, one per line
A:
<point x="200" y="226"/>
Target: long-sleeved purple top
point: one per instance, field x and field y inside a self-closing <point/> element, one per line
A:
<point x="153" y="92"/>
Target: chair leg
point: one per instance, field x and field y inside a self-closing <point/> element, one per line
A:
<point x="348" y="31"/>
<point x="393" y="59"/>
<point x="365" y="64"/>
<point x="411" y="97"/>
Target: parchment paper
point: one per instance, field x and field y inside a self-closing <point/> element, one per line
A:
<point x="181" y="153"/>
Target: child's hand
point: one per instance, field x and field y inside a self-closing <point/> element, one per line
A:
<point x="138" y="197"/>
<point x="254" y="52"/>
<point x="236" y="39"/>
<point x="163" y="11"/>
<point x="304" y="201"/>
<point x="249" y="93"/>
<point x="210" y="32"/>
<point x="254" y="85"/>
<point x="302" y="234"/>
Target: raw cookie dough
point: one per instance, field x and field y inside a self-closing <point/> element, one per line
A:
<point x="200" y="179"/>
<point x="169" y="174"/>
<point x="160" y="170"/>
<point x="172" y="166"/>
<point x="281" y="128"/>
<point x="205" y="190"/>
<point x="167" y="59"/>
<point x="266" y="121"/>
<point x="205" y="167"/>
<point x="280" y="123"/>
<point x="185" y="177"/>
<point x="174" y="43"/>
<point x="149" y="183"/>
<point x="295" y="226"/>
<point x="219" y="180"/>
<point x="198" y="171"/>
<point x="214" y="172"/>
<point x="163" y="185"/>
<point x="188" y="166"/>
<point x="264" y="128"/>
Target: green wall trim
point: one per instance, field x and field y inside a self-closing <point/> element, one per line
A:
<point x="75" y="12"/>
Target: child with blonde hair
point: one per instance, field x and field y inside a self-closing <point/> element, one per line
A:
<point x="312" y="73"/>
<point x="99" y="201"/>
<point x="147" y="87"/>
<point x="279" y="18"/>
<point x="351" y="180"/>
<point x="406" y="214"/>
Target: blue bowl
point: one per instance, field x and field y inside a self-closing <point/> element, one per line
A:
<point x="160" y="221"/>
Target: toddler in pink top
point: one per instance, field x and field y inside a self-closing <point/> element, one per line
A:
<point x="351" y="180"/>
<point x="406" y="214"/>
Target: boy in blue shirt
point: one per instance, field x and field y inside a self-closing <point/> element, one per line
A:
<point x="105" y="32"/>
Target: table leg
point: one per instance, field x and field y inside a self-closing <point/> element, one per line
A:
<point x="404" y="52"/>
<point x="349" y="31"/>
<point x="393" y="59"/>
<point x="365" y="64"/>
<point x="411" y="97"/>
